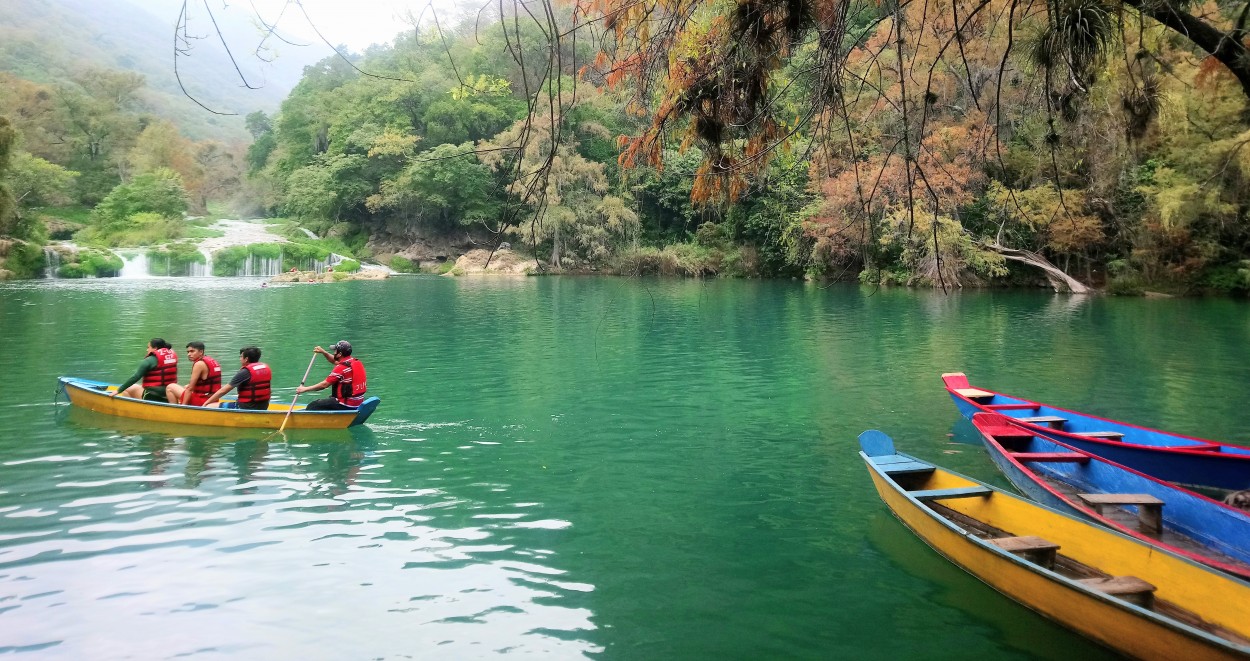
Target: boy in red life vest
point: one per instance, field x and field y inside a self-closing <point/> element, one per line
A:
<point x="158" y="369"/>
<point x="252" y="381"/>
<point x="347" y="377"/>
<point x="205" y="378"/>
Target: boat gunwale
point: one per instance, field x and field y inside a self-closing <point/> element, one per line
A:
<point x="83" y="386"/>
<point x="1048" y="574"/>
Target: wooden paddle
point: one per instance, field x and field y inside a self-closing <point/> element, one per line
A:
<point x="297" y="394"/>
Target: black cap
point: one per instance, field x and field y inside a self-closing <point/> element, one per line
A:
<point x="342" y="346"/>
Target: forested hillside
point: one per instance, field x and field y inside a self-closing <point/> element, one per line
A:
<point x="1079" y="142"/>
<point x="54" y="42"/>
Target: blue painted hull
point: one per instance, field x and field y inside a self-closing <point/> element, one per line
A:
<point x="1211" y="524"/>
<point x="1171" y="457"/>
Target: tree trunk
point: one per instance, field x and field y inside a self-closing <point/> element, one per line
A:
<point x="1058" y="279"/>
<point x="555" y="248"/>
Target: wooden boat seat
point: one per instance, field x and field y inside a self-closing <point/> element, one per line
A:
<point x="1011" y="407"/>
<point x="1149" y="508"/>
<point x="957" y="492"/>
<point x="1197" y="447"/>
<point x="907" y="468"/>
<point x="1034" y="549"/>
<point x="973" y="393"/>
<point x="1109" y="435"/>
<point x="1051" y="457"/>
<point x="1052" y="420"/>
<point x="1129" y="588"/>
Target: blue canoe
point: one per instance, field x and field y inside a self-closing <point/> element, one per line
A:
<point x="1172" y="457"/>
<point x="1154" y="511"/>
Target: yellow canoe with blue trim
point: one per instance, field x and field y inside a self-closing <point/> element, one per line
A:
<point x="1127" y="595"/>
<point x="94" y="396"/>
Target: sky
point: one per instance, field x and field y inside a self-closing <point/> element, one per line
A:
<point x="354" y="23"/>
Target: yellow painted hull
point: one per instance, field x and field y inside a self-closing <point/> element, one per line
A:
<point x="1217" y="598"/>
<point x="94" y="396"/>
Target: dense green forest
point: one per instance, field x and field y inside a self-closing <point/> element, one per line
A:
<point x="970" y="143"/>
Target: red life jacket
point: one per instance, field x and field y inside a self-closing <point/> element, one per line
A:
<point x="257" y="387"/>
<point x="350" y="390"/>
<point x="211" y="383"/>
<point x="166" y="370"/>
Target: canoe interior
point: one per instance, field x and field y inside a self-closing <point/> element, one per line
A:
<point x="1072" y="568"/>
<point x="1193" y="524"/>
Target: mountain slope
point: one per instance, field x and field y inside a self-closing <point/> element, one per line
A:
<point x="48" y="42"/>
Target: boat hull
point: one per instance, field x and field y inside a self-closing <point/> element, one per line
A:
<point x="1172" y="457"/>
<point x="1120" y="625"/>
<point x="94" y="396"/>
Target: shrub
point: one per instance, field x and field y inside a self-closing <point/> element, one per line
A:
<point x="403" y="265"/>
<point x="347" y="266"/>
<point x="174" y="259"/>
<point x="25" y="260"/>
<point x="100" y="264"/>
<point x="71" y="271"/>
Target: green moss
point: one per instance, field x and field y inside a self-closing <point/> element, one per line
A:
<point x="347" y="266"/>
<point x="25" y="260"/>
<point x="403" y="265"/>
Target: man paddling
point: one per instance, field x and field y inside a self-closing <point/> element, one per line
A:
<point x="205" y="378"/>
<point x="252" y="380"/>
<point x="347" y="377"/>
<point x="158" y="369"/>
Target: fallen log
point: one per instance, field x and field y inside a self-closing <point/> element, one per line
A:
<point x="1058" y="279"/>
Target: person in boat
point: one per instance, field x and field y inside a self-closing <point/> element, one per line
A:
<point x="156" y="372"/>
<point x="205" y="378"/>
<point x="252" y="380"/>
<point x="347" y="378"/>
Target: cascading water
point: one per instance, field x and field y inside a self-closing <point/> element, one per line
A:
<point x="198" y="270"/>
<point x="134" y="265"/>
<point x="52" y="262"/>
<point x="261" y="266"/>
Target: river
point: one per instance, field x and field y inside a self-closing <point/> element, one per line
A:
<point x="564" y="467"/>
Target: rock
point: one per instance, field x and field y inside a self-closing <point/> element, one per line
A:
<point x="329" y="276"/>
<point x="505" y="262"/>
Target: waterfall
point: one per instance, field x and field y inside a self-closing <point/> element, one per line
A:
<point x="198" y="270"/>
<point x="52" y="262"/>
<point x="260" y="266"/>
<point x="134" y="266"/>
<point x="308" y="232"/>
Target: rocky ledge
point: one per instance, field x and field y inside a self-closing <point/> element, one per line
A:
<point x="329" y="276"/>
<point x="504" y="262"/>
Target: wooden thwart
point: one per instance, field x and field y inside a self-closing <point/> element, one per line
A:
<point x="1034" y="549"/>
<point x="973" y="393"/>
<point x="1052" y="420"/>
<point x="1109" y="435"/>
<point x="1149" y="508"/>
<point x="1129" y="588"/>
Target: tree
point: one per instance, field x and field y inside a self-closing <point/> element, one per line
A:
<point x="158" y="192"/>
<point x="35" y="182"/>
<point x="444" y="187"/>
<point x="8" y="206"/>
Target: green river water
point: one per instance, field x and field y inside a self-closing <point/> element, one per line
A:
<point x="561" y="467"/>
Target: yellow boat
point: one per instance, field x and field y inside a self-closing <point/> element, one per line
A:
<point x="1127" y="595"/>
<point x="94" y="396"/>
